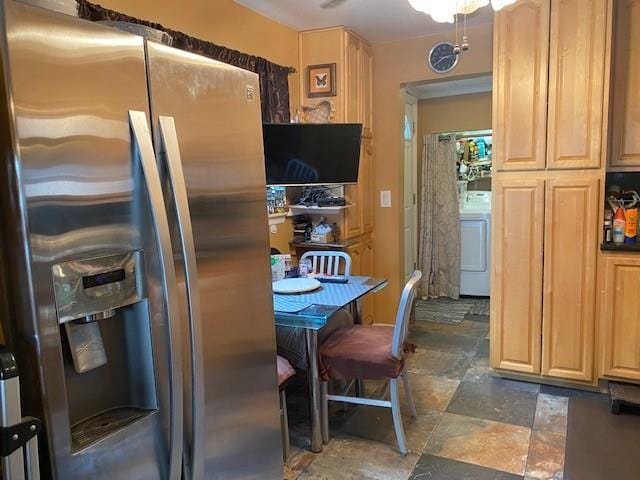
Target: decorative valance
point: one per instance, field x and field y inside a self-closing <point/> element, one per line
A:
<point x="274" y="84"/>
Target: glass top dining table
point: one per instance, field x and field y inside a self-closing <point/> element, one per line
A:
<point x="311" y="311"/>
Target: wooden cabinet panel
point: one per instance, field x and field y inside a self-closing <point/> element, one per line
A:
<point x="625" y="126"/>
<point x="367" y="90"/>
<point x="353" y="59"/>
<point x="521" y="51"/>
<point x="576" y="83"/>
<point x="358" y="217"/>
<point x="570" y="253"/>
<point x="365" y="185"/>
<point x="621" y="315"/>
<point x="516" y="283"/>
<point x="355" y="252"/>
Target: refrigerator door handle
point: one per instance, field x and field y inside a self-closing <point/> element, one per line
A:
<point x="171" y="147"/>
<point x="143" y="149"/>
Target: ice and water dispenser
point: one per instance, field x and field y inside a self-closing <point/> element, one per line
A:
<point x="103" y="313"/>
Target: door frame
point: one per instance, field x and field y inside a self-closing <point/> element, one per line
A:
<point x="411" y="103"/>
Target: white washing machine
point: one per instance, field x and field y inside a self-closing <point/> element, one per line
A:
<point x="475" y="255"/>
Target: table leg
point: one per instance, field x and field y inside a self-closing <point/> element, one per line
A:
<point x="355" y="312"/>
<point x="311" y="337"/>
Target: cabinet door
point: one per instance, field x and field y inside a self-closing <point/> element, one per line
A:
<point x="365" y="185"/>
<point x="516" y="284"/>
<point x="621" y="349"/>
<point x="576" y="83"/>
<point x="521" y="51"/>
<point x="353" y="194"/>
<point x="367" y="89"/>
<point x="625" y="141"/>
<point x="367" y="269"/>
<point x="353" y="58"/>
<point x="355" y="252"/>
<point x="570" y="253"/>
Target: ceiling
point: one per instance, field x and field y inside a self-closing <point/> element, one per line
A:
<point x="377" y="21"/>
<point x="449" y="88"/>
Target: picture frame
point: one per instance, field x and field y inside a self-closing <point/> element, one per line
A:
<point x="321" y="80"/>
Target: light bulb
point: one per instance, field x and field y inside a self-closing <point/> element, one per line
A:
<point x="499" y="4"/>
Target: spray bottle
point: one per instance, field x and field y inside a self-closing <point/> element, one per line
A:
<point x="619" y="224"/>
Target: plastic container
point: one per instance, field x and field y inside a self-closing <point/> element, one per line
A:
<point x="631" y="225"/>
<point x="619" y="224"/>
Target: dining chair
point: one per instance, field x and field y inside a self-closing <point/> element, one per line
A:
<point x="285" y="373"/>
<point x="374" y="352"/>
<point x="329" y="262"/>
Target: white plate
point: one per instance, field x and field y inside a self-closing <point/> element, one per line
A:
<point x="295" y="285"/>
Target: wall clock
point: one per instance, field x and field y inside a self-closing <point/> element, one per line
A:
<point x="442" y="57"/>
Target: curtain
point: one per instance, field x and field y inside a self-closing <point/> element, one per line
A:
<point x="439" y="244"/>
<point x="274" y="81"/>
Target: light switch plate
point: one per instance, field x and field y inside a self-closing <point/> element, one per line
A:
<point x="385" y="198"/>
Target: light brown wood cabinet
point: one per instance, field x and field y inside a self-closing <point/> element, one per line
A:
<point x="516" y="283"/>
<point x="621" y="317"/>
<point x="544" y="273"/>
<point x="570" y="258"/>
<point x="521" y="58"/>
<point x="354" y="71"/>
<point x="551" y="71"/>
<point x="361" y="253"/>
<point x="576" y="83"/>
<point x="358" y="218"/>
<point x="625" y="121"/>
<point x="549" y="84"/>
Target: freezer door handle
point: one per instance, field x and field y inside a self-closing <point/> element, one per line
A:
<point x="195" y="464"/>
<point x="143" y="149"/>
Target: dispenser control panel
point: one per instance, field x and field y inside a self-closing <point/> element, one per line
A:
<point x="86" y="288"/>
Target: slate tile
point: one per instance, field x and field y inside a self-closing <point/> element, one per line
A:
<point x="430" y="467"/>
<point x="376" y="424"/>
<point x="573" y="392"/>
<point x="494" y="401"/>
<point x="551" y="413"/>
<point x="431" y="393"/>
<point x="467" y="328"/>
<point x="439" y="364"/>
<point x="350" y="458"/>
<point x="477" y="318"/>
<point x="546" y="456"/>
<point x="480" y="372"/>
<point x="444" y="342"/>
<point x="481" y="442"/>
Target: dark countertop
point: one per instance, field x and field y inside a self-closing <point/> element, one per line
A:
<point x="620" y="247"/>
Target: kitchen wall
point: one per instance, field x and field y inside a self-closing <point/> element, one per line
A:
<point x="396" y="64"/>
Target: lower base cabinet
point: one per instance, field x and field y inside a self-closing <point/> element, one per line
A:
<point x="545" y="234"/>
<point x="621" y="317"/>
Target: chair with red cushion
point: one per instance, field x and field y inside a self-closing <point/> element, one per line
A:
<point x="373" y="352"/>
<point x="285" y="372"/>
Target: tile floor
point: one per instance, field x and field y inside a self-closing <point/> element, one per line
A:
<point x="470" y="425"/>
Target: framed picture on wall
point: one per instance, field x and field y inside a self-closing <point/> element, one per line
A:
<point x="321" y="80"/>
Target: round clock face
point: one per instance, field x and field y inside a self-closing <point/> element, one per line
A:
<point x="441" y="58"/>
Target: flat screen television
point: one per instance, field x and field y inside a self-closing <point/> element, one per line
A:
<point x="312" y="154"/>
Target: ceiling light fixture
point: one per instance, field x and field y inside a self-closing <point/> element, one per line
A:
<point x="446" y="10"/>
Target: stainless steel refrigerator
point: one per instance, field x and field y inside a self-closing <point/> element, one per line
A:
<point x="134" y="254"/>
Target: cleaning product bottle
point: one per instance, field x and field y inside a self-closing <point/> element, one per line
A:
<point x="631" y="226"/>
<point x="619" y="223"/>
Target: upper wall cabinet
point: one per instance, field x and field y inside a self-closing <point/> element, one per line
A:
<point x="576" y="83"/>
<point x="549" y="82"/>
<point x="354" y="73"/>
<point x="521" y="56"/>
<point x="625" y="121"/>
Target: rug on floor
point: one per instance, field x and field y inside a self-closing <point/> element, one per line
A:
<point x="452" y="312"/>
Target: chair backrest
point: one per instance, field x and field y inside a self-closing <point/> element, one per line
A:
<point x="329" y="262"/>
<point x="404" y="311"/>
